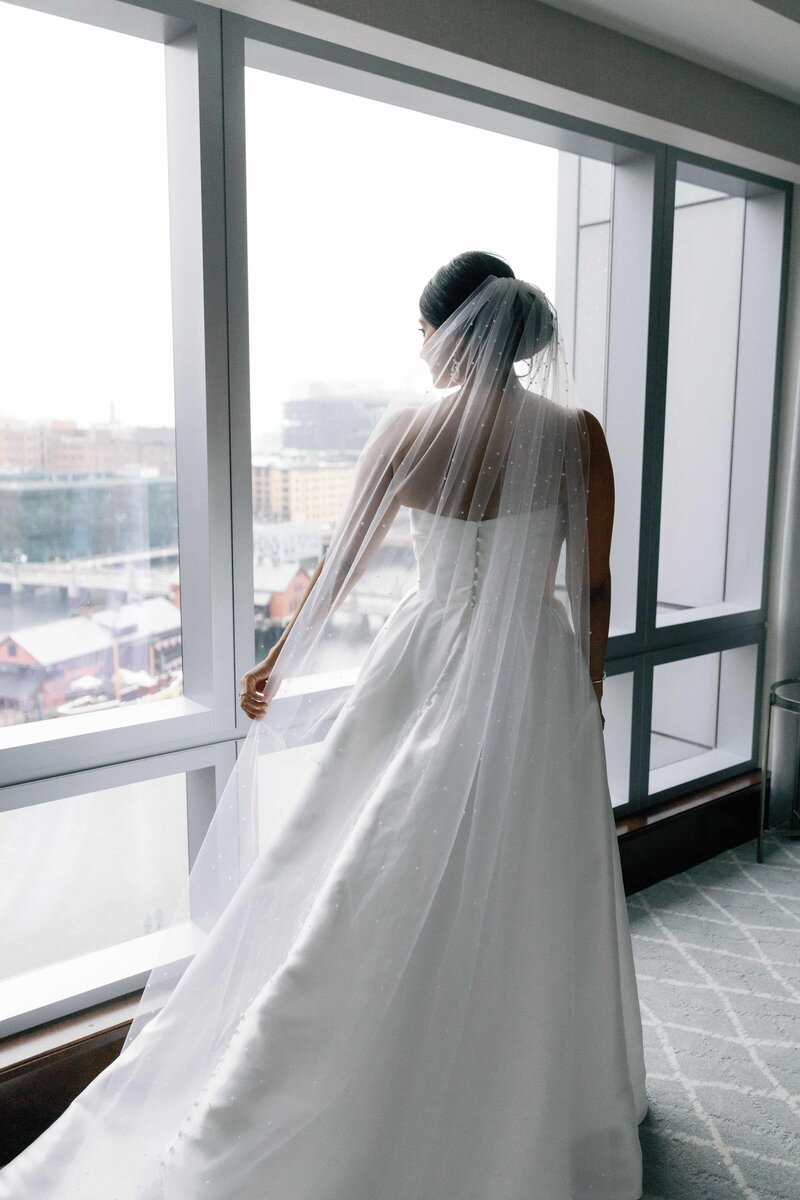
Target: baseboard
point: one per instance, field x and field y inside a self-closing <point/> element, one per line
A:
<point x="689" y="830"/>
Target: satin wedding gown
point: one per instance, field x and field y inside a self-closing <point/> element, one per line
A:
<point x="507" y="1063"/>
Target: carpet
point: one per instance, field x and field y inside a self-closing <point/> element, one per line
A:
<point x="717" y="952"/>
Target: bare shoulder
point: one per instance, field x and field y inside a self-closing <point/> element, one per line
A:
<point x="593" y="426"/>
<point x="598" y="446"/>
<point x="395" y="431"/>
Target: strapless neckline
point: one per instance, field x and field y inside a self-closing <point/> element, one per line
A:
<point x="417" y="513"/>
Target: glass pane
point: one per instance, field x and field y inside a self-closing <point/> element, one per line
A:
<point x="602" y="280"/>
<point x="720" y="383"/>
<point x="703" y="709"/>
<point x="618" y="712"/>
<point x="335" y="274"/>
<point x="89" y="594"/>
<point x="591" y="318"/>
<point x="87" y="872"/>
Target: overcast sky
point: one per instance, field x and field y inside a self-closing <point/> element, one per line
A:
<point x="352" y="204"/>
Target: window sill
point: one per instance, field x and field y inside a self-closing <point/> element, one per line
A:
<point x="694" y="767"/>
<point x="51" y="993"/>
<point x="127" y="716"/>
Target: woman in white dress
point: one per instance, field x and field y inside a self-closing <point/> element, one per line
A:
<point x="411" y="974"/>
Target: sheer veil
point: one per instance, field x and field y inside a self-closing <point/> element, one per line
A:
<point x="492" y="474"/>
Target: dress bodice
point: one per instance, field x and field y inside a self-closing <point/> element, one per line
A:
<point x="454" y="561"/>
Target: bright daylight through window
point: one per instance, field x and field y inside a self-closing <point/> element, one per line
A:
<point x="369" y="242"/>
<point x="395" y="214"/>
<point x="376" y="195"/>
<point x="89" y="585"/>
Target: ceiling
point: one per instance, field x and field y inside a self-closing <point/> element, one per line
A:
<point x="757" y="41"/>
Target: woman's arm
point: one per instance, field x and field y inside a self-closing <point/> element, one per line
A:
<point x="373" y="476"/>
<point x="253" y="682"/>
<point x="600" y="521"/>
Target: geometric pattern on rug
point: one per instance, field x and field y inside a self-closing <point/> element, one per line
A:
<point x="717" y="950"/>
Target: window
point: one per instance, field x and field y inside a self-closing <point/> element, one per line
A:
<point x="573" y="224"/>
<point x="723" y="334"/>
<point x="175" y="447"/>
<point x="702" y="719"/>
<point x="323" y="362"/>
<point x="86" y="893"/>
<point x="602" y="295"/>
<point x="101" y="859"/>
<point x="89" y="571"/>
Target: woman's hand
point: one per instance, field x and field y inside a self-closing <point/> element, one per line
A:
<point x="253" y="687"/>
<point x="598" y="691"/>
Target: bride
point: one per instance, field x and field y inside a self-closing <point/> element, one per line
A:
<point x="409" y="974"/>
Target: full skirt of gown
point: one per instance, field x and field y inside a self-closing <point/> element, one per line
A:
<point x="507" y="1065"/>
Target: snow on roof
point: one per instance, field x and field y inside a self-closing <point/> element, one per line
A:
<point x="72" y="637"/>
<point x="141" y="617"/>
<point x="272" y="579"/>
<point x="59" y="641"/>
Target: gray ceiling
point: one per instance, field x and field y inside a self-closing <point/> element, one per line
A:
<point x="757" y="41"/>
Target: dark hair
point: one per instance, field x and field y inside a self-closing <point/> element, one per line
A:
<point x="452" y="283"/>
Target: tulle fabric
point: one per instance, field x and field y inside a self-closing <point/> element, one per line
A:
<point x="410" y="974"/>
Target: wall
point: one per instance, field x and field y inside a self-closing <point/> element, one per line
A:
<point x="576" y="65"/>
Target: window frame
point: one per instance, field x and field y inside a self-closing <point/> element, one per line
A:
<point x="206" y="51"/>
<point x="248" y="42"/>
<point x="206" y="711"/>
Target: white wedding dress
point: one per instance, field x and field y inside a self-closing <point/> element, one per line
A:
<point x="502" y="1059"/>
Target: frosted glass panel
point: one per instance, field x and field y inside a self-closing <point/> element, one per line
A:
<point x="594" y="242"/>
<point x="702" y="717"/>
<point x="602" y="276"/>
<point x="701" y="387"/>
<point x="596" y="190"/>
<point x="720" y="384"/>
<point x="618" y="712"/>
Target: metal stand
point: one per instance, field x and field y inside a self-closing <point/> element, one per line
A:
<point x="785" y="694"/>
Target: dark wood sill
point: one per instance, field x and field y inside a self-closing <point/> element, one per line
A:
<point x="43" y="1069"/>
<point x="683" y="832"/>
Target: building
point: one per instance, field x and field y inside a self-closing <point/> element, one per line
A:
<point x="279" y="589"/>
<point x="84" y="514"/>
<point x="22" y="445"/>
<point x="64" y="446"/>
<point x="39" y="665"/>
<point x="304" y="490"/>
<point x="288" y="541"/>
<point x="332" y="424"/>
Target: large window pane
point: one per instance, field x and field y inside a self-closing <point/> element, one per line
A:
<point x="366" y="247"/>
<point x="92" y="871"/>
<point x="335" y="273"/>
<point x="720" y="383"/>
<point x="89" y="591"/>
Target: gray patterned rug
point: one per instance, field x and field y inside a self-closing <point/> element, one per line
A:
<point x="717" y="952"/>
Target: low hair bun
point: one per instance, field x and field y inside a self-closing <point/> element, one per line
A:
<point x="456" y="280"/>
<point x="536" y="319"/>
